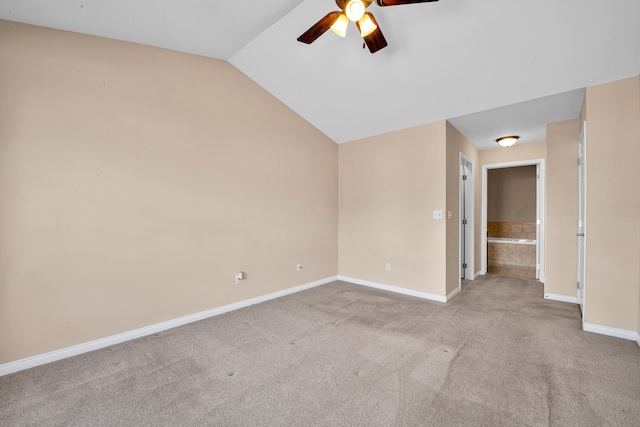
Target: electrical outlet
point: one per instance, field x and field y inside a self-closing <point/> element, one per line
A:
<point x="387" y="266"/>
<point x="437" y="214"/>
<point x="239" y="277"/>
<point x="299" y="266"/>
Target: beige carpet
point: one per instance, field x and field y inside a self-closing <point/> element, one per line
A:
<point x="342" y="354"/>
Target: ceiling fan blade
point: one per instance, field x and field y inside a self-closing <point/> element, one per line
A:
<point x="319" y="28"/>
<point x="375" y="41"/>
<point x="399" y="2"/>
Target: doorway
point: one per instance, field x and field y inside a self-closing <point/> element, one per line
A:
<point x="537" y="223"/>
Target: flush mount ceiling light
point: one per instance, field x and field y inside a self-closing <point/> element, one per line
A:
<point x="356" y="11"/>
<point x="507" y="141"/>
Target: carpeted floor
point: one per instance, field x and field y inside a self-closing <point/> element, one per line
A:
<point x="347" y="355"/>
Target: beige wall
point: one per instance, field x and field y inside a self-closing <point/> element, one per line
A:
<point x="512" y="194"/>
<point x="613" y="204"/>
<point x="562" y="207"/>
<point x="518" y="152"/>
<point x="135" y="182"/>
<point x="389" y="187"/>
<point x="456" y="144"/>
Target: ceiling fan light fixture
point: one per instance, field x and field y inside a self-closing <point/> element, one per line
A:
<point x="354" y="10"/>
<point x="340" y="26"/>
<point x="366" y="25"/>
<point x="507" y="141"/>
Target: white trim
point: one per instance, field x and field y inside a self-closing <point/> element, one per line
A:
<point x="462" y="159"/>
<point x="508" y="240"/>
<point x="638" y="339"/>
<point x="479" y="273"/>
<point x="52" y="356"/>
<point x="609" y="331"/>
<point x="396" y="289"/>
<point x="562" y="298"/>
<point x="452" y="294"/>
<point x="582" y="263"/>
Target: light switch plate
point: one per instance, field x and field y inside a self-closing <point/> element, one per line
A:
<point x="437" y="214"/>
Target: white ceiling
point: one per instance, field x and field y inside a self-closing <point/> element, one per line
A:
<point x="483" y="64"/>
<point x="525" y="119"/>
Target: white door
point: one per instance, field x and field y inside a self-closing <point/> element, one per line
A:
<point x="463" y="220"/>
<point x="581" y="217"/>
<point x="538" y="222"/>
<point x="467" y="266"/>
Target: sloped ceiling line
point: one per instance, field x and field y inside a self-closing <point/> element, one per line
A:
<point x="451" y="59"/>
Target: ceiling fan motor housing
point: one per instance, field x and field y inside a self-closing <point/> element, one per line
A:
<point x="343" y="3"/>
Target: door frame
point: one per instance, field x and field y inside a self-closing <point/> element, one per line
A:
<point x="469" y="204"/>
<point x="539" y="163"/>
<point x="582" y="218"/>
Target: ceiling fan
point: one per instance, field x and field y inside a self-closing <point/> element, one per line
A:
<point x="354" y="10"/>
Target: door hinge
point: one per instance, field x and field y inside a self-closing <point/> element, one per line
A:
<point x="578" y="285"/>
<point x="464" y="265"/>
<point x="464" y="177"/>
<point x="579" y="162"/>
<point x="464" y="222"/>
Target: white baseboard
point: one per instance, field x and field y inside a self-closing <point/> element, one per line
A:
<point x="609" y="331"/>
<point x="396" y="289"/>
<point x="478" y="274"/>
<point x="41" y="359"/>
<point x="563" y="298"/>
<point x="452" y="294"/>
<point x="638" y="339"/>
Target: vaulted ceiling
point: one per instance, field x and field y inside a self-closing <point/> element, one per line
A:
<point x="490" y="67"/>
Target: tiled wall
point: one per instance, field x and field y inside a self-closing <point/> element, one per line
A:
<point x="500" y="254"/>
<point x="514" y="230"/>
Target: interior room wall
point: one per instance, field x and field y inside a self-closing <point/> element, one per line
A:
<point x="389" y="186"/>
<point x="135" y="182"/>
<point x="512" y="194"/>
<point x="515" y="153"/>
<point x="562" y="207"/>
<point x="612" y="281"/>
<point x="457" y="143"/>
